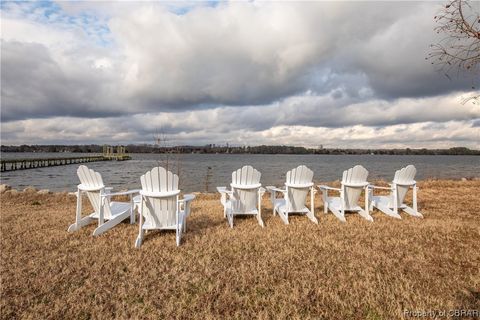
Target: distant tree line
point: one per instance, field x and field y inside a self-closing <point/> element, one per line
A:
<point x="92" y="148"/>
<point x="212" y="149"/>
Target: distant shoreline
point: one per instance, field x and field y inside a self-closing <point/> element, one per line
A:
<point x="215" y="149"/>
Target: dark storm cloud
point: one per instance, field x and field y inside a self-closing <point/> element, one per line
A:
<point x="35" y="86"/>
<point x="210" y="58"/>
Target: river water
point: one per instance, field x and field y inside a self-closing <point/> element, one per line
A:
<point x="199" y="172"/>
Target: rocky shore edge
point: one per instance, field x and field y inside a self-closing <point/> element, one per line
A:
<point x="7" y="189"/>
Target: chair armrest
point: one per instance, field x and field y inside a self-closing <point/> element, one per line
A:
<point x="184" y="204"/>
<point x="137" y="199"/>
<point x="224" y="190"/>
<point x="187" y="198"/>
<point x="323" y="187"/>
<point x="371" y="186"/>
<point x="405" y="184"/>
<point x="121" y="193"/>
<point x="88" y="188"/>
<point x="356" y="184"/>
<point x="275" y="189"/>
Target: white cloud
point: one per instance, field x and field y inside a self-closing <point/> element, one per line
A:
<point x="288" y="122"/>
<point x="249" y="72"/>
<point x="416" y="135"/>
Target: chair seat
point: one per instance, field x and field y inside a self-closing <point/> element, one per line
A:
<point x="336" y="202"/>
<point x="117" y="208"/>
<point x="228" y="207"/>
<point x="147" y="225"/>
<point x="386" y="201"/>
<point x="279" y="202"/>
<point x="281" y="205"/>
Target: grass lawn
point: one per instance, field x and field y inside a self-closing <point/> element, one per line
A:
<point x="333" y="270"/>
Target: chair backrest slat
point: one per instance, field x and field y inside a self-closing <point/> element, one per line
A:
<point x="245" y="200"/>
<point x="160" y="211"/>
<point x="355" y="175"/>
<point x="93" y="180"/>
<point x="405" y="178"/>
<point x="296" y="180"/>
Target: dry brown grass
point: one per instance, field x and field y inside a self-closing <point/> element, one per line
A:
<point x="357" y="270"/>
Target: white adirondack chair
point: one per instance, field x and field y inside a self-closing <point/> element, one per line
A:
<point x="354" y="181"/>
<point x="297" y="185"/>
<point x="108" y="213"/>
<point x="389" y="204"/>
<point x="160" y="206"/>
<point x="245" y="198"/>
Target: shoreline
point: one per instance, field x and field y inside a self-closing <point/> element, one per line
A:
<point x="237" y="150"/>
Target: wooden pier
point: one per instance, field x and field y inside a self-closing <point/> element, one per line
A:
<point x="22" y="164"/>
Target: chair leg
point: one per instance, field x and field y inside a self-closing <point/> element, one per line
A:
<point x="366" y="215"/>
<point x="260" y="221"/>
<point x="388" y="211"/>
<point x="325" y="203"/>
<point x="312" y="217"/>
<point x="229" y="214"/>
<point x="412" y="212"/>
<point x="109" y="224"/>
<point x="139" y="241"/>
<point x="132" y="210"/>
<point x="311" y="213"/>
<point x="230" y="218"/>
<point x="81" y="223"/>
<point x="178" y="237"/>
<point x="339" y="214"/>
<point x="370" y="199"/>
<point x="283" y="216"/>
<point x="415" y="198"/>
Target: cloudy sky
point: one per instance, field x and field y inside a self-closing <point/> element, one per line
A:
<point x="343" y="74"/>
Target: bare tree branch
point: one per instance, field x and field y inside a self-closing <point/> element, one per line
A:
<point x="459" y="50"/>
